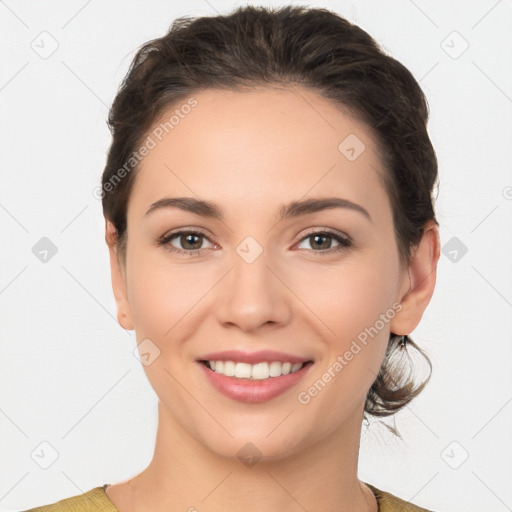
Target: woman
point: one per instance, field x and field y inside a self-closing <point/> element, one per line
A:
<point x="272" y="238"/>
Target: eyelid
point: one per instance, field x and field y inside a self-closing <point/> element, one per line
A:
<point x="165" y="238"/>
<point x="328" y="231"/>
<point x="337" y="235"/>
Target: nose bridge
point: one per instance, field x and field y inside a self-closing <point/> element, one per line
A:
<point x="251" y="295"/>
<point x="251" y="275"/>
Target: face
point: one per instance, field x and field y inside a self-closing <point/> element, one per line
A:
<point x="310" y="284"/>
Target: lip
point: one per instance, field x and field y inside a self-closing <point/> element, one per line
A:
<point x="254" y="391"/>
<point x="260" y="356"/>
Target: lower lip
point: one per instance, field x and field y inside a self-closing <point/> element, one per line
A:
<point x="254" y="391"/>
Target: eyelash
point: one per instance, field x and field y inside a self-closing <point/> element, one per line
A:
<point x="344" y="242"/>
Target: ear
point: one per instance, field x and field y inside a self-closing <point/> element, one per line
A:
<point x="417" y="290"/>
<point x="124" y="313"/>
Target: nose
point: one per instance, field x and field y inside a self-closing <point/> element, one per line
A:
<point x="253" y="294"/>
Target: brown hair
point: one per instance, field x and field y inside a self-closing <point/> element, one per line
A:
<point x="315" y="48"/>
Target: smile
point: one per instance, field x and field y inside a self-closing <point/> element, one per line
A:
<point x="258" y="371"/>
<point x="253" y="383"/>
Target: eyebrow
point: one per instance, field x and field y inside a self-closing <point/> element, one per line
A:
<point x="290" y="210"/>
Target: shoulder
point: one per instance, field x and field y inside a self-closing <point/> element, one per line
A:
<point x="95" y="499"/>
<point x="390" y="503"/>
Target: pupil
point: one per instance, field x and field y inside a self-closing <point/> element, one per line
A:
<point x="316" y="237"/>
<point x="189" y="236"/>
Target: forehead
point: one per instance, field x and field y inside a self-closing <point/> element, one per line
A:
<point x="259" y="148"/>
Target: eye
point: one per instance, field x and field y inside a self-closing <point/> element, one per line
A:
<point x="190" y="240"/>
<point x="319" y="239"/>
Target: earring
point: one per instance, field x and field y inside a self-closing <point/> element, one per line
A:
<point x="403" y="342"/>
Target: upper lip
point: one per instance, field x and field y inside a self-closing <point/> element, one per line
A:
<point x="260" y="356"/>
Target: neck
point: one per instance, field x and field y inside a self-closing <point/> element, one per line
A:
<point x="185" y="475"/>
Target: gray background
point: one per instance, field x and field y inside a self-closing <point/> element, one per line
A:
<point x="71" y="388"/>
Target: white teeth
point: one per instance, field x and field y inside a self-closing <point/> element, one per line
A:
<point x="275" y="369"/>
<point x="259" y="371"/>
<point x="242" y="370"/>
<point x="229" y="369"/>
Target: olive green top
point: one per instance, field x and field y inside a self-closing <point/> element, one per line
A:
<point x="96" y="500"/>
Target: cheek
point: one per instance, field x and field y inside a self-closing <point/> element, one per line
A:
<point x="351" y="296"/>
<point x="346" y="298"/>
<point x="158" y="300"/>
<point x="164" y="297"/>
<point x="356" y="305"/>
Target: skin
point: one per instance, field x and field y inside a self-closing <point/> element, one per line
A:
<point x="251" y="152"/>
